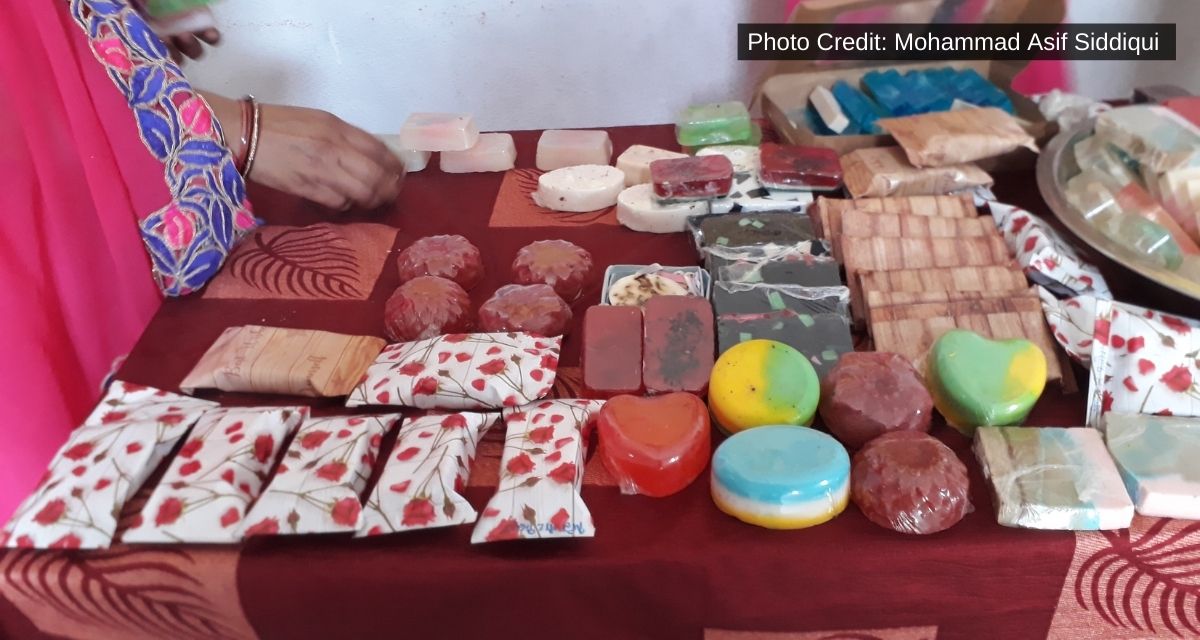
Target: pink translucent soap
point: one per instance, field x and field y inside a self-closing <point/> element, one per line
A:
<point x="448" y="256"/>
<point x="558" y="148"/>
<point x="869" y="393"/>
<point x="692" y="178"/>
<point x="493" y="152"/>
<point x="558" y="263"/>
<point x="426" y="307"/>
<point x="910" y="482"/>
<point x="612" y="351"/>
<point x="533" y="308"/>
<point x="655" y="446"/>
<point x="792" y="167"/>
<point x="678" y="344"/>
<point x="439" y="132"/>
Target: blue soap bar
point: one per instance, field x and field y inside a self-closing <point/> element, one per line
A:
<point x="813" y="120"/>
<point x="862" y="111"/>
<point x="887" y="88"/>
<point x="923" y="95"/>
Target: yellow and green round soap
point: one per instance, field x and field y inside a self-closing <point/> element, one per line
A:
<point x="762" y="382"/>
<point x="975" y="381"/>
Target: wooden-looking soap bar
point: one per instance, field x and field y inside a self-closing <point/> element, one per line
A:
<point x="828" y="210"/>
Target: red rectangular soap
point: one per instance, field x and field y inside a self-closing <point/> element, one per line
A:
<point x="694" y="178"/>
<point x="793" y="167"/>
<point x="612" y="351"/>
<point x="679" y="345"/>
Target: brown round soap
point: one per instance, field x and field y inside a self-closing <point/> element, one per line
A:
<point x="558" y="263"/>
<point x="425" y="307"/>
<point x="450" y="257"/>
<point x="910" y="482"/>
<point x="533" y="308"/>
<point x="870" y="393"/>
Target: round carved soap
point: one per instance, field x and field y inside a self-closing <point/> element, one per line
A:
<point x="910" y="482"/>
<point x="426" y="307"/>
<point x="533" y="308"/>
<point x="450" y="257"/>
<point x="869" y="393"/>
<point x="558" y="263"/>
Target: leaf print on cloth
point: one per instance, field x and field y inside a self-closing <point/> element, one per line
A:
<point x="514" y="206"/>
<point x="897" y="633"/>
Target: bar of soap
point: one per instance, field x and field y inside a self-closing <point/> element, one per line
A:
<point x="731" y="298"/>
<point x="762" y="382"/>
<point x="794" y="167"/>
<point x="638" y="209"/>
<point x="694" y="178"/>
<point x="589" y="187"/>
<point x="975" y="381"/>
<point x="822" y="338"/>
<point x="872" y="393"/>
<point x="413" y="160"/>
<point x="635" y="162"/>
<point x="753" y="229"/>
<point x="677" y="350"/>
<point x="612" y="351"/>
<point x="753" y="140"/>
<point x="426" y="307"/>
<point x="910" y="482"/>
<point x="635" y="289"/>
<point x="1052" y="478"/>
<point x="713" y="124"/>
<point x="439" y="132"/>
<point x="829" y="110"/>
<point x="781" y="477"/>
<point x="1157" y="458"/>
<point x="558" y="148"/>
<point x="654" y="446"/>
<point x="563" y="265"/>
<point x="532" y="308"/>
<point x="446" y="256"/>
<point x="862" y="111"/>
<point x="745" y="157"/>
<point x="493" y="152"/>
<point x="772" y="264"/>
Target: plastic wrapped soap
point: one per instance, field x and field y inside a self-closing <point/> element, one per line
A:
<point x="821" y="338"/>
<point x="558" y="263"/>
<point x="679" y="342"/>
<point x="1048" y="260"/>
<point x="654" y="446"/>
<point x="633" y="285"/>
<point x="733" y="298"/>
<point x="612" y="351"/>
<point x="762" y="382"/>
<point x="1157" y="456"/>
<point x="639" y="210"/>
<point x="754" y="229"/>
<point x="975" y="381"/>
<point x="425" y="307"/>
<point x="578" y="189"/>
<point x="533" y="308"/>
<point x="955" y="137"/>
<point x="910" y="482"/>
<point x="713" y="124"/>
<point x="872" y="393"/>
<point x="793" y="167"/>
<point x="692" y="178"/>
<point x="447" y="256"/>
<point x="744" y="157"/>
<point x="772" y="264"/>
<point x="885" y="172"/>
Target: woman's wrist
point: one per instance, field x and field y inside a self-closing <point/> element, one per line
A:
<point x="234" y="129"/>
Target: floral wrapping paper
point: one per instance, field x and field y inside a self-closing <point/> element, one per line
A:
<point x="541" y="470"/>
<point x="1047" y="259"/>
<point x="1072" y="322"/>
<point x="215" y="477"/>
<point x="317" y="486"/>
<point x="421" y="485"/>
<point x="103" y="463"/>
<point x="1143" y="361"/>
<point x="461" y="371"/>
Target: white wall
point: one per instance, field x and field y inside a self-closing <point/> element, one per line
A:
<point x="1104" y="79"/>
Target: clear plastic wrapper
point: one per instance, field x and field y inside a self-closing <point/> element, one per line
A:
<point x="772" y="264"/>
<point x="1052" y="478"/>
<point x="871" y="393"/>
<point x="822" y="338"/>
<point x="910" y="482"/>
<point x="558" y="263"/>
<point x="955" y="137"/>
<point x="739" y="299"/>
<point x="976" y="381"/>
<point x="654" y="446"/>
<point x="446" y="256"/>
<point x="884" y="171"/>
<point x="1072" y="322"/>
<point x="1154" y="136"/>
<point x="799" y="168"/>
<point x="677" y="350"/>
<point x="530" y="308"/>
<point x="1156" y="456"/>
<point x="718" y="123"/>
<point x="748" y="195"/>
<point x="1045" y="256"/>
<point x="633" y="285"/>
<point x="745" y="158"/>
<point x="692" y="178"/>
<point x="755" y="229"/>
<point x="762" y="382"/>
<point x="425" y="307"/>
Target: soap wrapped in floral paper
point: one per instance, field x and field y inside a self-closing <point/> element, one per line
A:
<point x="1046" y="257"/>
<point x="1072" y="322"/>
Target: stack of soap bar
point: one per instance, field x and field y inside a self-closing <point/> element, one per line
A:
<point x="1157" y="458"/>
<point x="745" y="157"/>
<point x="696" y="178"/>
<point x="439" y="132"/>
<point x="493" y="152"/>
<point x="1052" y="478"/>
<point x="887" y="88"/>
<point x="827" y="108"/>
<point x="1154" y="136"/>
<point x="755" y="139"/>
<point x="413" y="160"/>
<point x="612" y="351"/>
<point x="976" y="381"/>
<point x="792" y="167"/>
<point x="762" y="382"/>
<point x="922" y="95"/>
<point x="781" y="477"/>
<point x="558" y="148"/>
<point x="862" y="111"/>
<point x="588" y="187"/>
<point x="635" y="162"/>
<point x="640" y="210"/>
<point x="707" y="124"/>
<point x="677" y="351"/>
<point x="655" y="446"/>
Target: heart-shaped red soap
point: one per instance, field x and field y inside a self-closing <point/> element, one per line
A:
<point x="655" y="446"/>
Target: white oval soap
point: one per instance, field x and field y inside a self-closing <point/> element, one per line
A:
<point x="638" y="209"/>
<point x="587" y="187"/>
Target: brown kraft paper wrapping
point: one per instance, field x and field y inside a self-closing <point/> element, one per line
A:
<point x="300" y="362"/>
<point x="884" y="171"/>
<point x="955" y="137"/>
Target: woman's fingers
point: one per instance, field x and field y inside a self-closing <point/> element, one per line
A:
<point x="188" y="45"/>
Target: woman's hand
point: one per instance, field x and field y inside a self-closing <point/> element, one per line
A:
<point x="191" y="44"/>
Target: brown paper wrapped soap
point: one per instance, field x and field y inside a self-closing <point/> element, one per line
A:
<point x="954" y="137"/>
<point x="299" y="362"/>
<point x="884" y="171"/>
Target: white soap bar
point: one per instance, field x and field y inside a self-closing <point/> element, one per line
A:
<point x="1157" y="457"/>
<point x="744" y="157"/>
<point x="439" y="132"/>
<point x="638" y="209"/>
<point x="558" y="148"/>
<point x="828" y="108"/>
<point x="635" y="162"/>
<point x="748" y="196"/>
<point x="493" y="152"/>
<point x="413" y="160"/>
<point x="588" y="187"/>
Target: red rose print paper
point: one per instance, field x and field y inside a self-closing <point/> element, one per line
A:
<point x="216" y="476"/>
<point x="422" y="481"/>
<point x="1072" y="321"/>
<point x="541" y="470"/>
<point x="461" y="371"/>
<point x="316" y="487"/>
<point x="1047" y="259"/>
<point x="103" y="463"/>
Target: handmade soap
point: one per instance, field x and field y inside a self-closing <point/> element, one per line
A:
<point x="975" y="381"/>
<point x="762" y="382"/>
<point x="827" y="107"/>
<point x="821" y="338"/>
<point x="558" y="263"/>
<point x="414" y="161"/>
<point x="886" y="87"/>
<point x="447" y="256"/>
<point x="1157" y="458"/>
<point x="439" y="132"/>
<point x="910" y="482"/>
<point x="638" y="209"/>
<point x="692" y="178"/>
<point x="749" y="196"/>
<point x="425" y="307"/>
<point x="744" y="157"/>
<point x="737" y="299"/>
<point x="863" y="112"/>
<point x="955" y="137"/>
<point x="753" y="229"/>
<point x="532" y="308"/>
<point x="878" y="172"/>
<point x="1052" y="478"/>
<point x="588" y="187"/>
<point x="872" y="393"/>
<point x="781" y="477"/>
<point x="712" y="124"/>
<point x="654" y="446"/>
<point x="635" y="162"/>
<point x="1047" y="258"/>
<point x="558" y="148"/>
<point x="772" y="264"/>
<point x="1154" y="136"/>
<point x="612" y="351"/>
<point x="493" y="152"/>
<point x="677" y="353"/>
<point x="793" y="167"/>
<point x="635" y="284"/>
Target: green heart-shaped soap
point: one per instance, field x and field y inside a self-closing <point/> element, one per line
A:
<point x="976" y="381"/>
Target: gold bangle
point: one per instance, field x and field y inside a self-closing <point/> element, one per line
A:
<point x="254" y="132"/>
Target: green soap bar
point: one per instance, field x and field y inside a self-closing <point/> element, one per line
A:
<point x="806" y="320"/>
<point x="976" y="381"/>
<point x="775" y="300"/>
<point x="707" y="124"/>
<point x="829" y="355"/>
